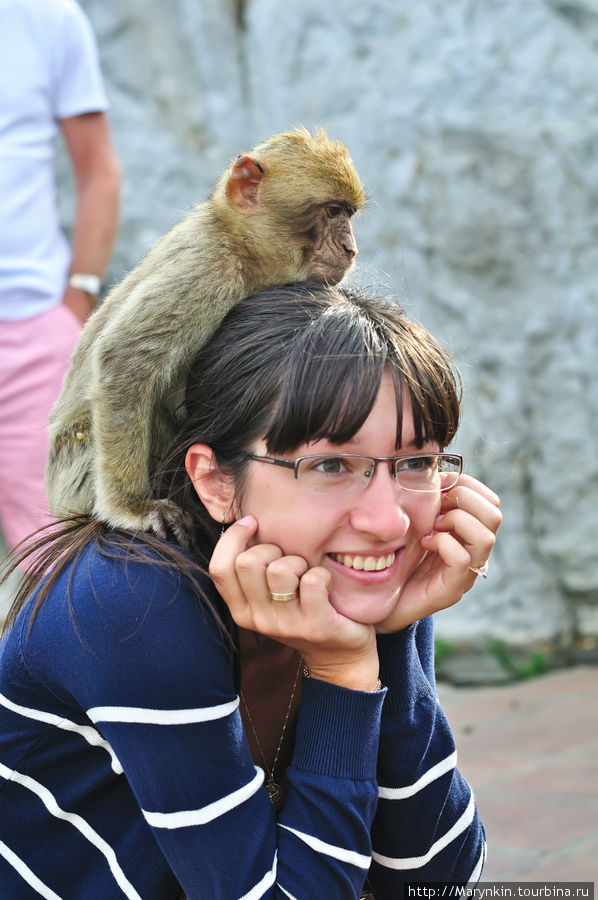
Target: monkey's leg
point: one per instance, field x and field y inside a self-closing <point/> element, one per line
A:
<point x="125" y="423"/>
<point x="69" y="470"/>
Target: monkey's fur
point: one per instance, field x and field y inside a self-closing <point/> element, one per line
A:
<point x="280" y="213"/>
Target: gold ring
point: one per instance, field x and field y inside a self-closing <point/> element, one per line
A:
<point x="283" y="598"/>
<point x="481" y="570"/>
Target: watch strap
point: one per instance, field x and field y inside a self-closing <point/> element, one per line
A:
<point x="91" y="284"/>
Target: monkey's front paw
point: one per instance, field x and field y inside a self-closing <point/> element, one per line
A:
<point x="166" y="517"/>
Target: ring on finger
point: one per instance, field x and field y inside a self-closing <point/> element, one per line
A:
<point x="481" y="570"/>
<point x="283" y="598"/>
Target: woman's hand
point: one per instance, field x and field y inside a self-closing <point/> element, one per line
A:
<point x="334" y="648"/>
<point x="463" y="537"/>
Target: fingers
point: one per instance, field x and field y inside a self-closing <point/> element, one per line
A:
<point x="468" y="488"/>
<point x="283" y="574"/>
<point x="222" y="567"/>
<point x="470" y="512"/>
<point x="465" y="532"/>
<point x="247" y="575"/>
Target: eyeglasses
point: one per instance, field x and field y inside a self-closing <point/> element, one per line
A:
<point x="329" y="474"/>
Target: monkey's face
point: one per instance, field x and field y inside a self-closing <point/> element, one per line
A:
<point x="334" y="244"/>
<point x="364" y="545"/>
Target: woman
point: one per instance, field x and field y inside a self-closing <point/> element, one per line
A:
<point x="144" y="704"/>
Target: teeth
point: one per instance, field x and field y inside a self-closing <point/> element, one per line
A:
<point x="367" y="563"/>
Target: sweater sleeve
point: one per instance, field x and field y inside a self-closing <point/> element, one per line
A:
<point x="152" y="671"/>
<point x="427" y="827"/>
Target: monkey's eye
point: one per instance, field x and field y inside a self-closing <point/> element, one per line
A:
<point x="333" y="210"/>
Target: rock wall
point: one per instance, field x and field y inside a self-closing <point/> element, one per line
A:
<point x="474" y="126"/>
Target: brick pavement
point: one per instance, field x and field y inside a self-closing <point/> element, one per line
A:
<point x="530" y="753"/>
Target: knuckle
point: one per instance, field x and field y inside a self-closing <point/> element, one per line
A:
<point x="245" y="562"/>
<point x="278" y="568"/>
<point x="216" y="571"/>
<point x="491" y="540"/>
<point x="298" y="565"/>
<point x="315" y="578"/>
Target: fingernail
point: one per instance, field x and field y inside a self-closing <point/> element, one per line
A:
<point x="439" y="518"/>
<point x="246" y="520"/>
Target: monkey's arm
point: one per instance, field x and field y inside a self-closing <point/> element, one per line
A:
<point x="139" y="359"/>
<point x="135" y="363"/>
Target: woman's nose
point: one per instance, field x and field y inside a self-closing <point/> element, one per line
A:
<point x="378" y="508"/>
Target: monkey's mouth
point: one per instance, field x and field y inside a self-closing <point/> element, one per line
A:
<point x="333" y="274"/>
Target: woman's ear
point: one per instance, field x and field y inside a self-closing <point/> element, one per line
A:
<point x="215" y="489"/>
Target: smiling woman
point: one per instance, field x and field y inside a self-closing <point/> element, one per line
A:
<point x="348" y="528"/>
<point x="325" y="523"/>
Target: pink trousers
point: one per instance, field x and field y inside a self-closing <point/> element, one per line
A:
<point x="34" y="356"/>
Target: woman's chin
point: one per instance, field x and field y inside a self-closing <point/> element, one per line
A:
<point x="365" y="610"/>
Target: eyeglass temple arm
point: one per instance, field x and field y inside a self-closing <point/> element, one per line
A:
<point x="284" y="463"/>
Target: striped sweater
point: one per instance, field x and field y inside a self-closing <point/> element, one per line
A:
<point x="125" y="770"/>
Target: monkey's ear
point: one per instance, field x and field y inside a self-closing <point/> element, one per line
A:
<point x="243" y="185"/>
<point x="215" y="489"/>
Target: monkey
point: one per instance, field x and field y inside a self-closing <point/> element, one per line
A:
<point x="279" y="213"/>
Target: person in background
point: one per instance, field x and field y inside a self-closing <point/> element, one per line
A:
<point x="50" y="80"/>
<point x="250" y="710"/>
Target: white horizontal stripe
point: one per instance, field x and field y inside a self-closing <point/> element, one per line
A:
<point x="26" y="874"/>
<point x="340" y="853"/>
<point x="475" y="875"/>
<point x="88" y="733"/>
<point x="189" y="817"/>
<point x="49" y="801"/>
<point x="416" y="862"/>
<point x="139" y="715"/>
<point x="445" y="765"/>
<point x="262" y="886"/>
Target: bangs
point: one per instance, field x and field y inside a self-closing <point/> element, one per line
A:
<point x="427" y="372"/>
<point x="331" y="381"/>
<point x="334" y="369"/>
<point x="304" y="362"/>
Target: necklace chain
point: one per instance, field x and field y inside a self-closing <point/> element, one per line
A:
<point x="274" y="791"/>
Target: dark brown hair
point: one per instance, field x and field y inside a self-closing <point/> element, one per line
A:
<point x="292" y="364"/>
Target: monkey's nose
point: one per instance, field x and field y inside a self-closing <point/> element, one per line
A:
<point x="350" y="250"/>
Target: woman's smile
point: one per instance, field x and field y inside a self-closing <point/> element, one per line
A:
<point x="362" y="563"/>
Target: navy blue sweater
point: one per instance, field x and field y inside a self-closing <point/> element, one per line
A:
<point x="125" y="769"/>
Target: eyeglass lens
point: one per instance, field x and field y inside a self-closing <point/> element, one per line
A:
<point x="436" y="472"/>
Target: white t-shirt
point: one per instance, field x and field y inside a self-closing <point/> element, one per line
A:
<point x="49" y="70"/>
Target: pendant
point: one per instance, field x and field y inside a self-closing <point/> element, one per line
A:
<point x="274" y="792"/>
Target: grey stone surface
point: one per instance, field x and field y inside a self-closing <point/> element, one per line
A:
<point x="474" y="126"/>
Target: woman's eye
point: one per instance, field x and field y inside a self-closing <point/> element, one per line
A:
<point x="419" y="464"/>
<point x="332" y="465"/>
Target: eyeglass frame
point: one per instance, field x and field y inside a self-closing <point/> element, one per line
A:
<point x="294" y="464"/>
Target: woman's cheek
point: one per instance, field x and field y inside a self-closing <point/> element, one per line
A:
<point x="424" y="513"/>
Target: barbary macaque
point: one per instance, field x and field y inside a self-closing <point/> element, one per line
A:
<point x="280" y="213"/>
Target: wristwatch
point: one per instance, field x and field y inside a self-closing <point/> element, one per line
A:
<point x="91" y="284"/>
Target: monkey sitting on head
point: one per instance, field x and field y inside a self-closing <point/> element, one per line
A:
<point x="280" y="213"/>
